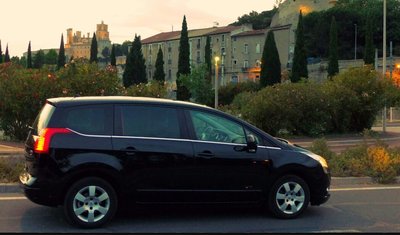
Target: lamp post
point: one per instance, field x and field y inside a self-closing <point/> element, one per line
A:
<point x="216" y="59"/>
<point x="384" y="62"/>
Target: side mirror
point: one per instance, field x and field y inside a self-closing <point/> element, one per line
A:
<point x="251" y="144"/>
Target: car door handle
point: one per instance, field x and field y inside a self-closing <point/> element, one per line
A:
<point x="130" y="151"/>
<point x="206" y="154"/>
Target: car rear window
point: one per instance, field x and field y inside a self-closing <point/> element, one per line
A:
<point x="43" y="118"/>
<point x="91" y="120"/>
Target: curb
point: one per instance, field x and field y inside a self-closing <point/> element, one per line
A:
<point x="336" y="182"/>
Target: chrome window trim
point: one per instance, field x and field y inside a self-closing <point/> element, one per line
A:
<point x="166" y="139"/>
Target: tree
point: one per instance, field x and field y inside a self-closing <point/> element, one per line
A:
<point x="38" y="59"/>
<point x="29" y="60"/>
<point x="258" y="20"/>
<point x="333" y="64"/>
<point x="135" y="68"/>
<point x="51" y="57"/>
<point x="159" y="74"/>
<point x="106" y="54"/>
<point x="369" y="54"/>
<point x="61" y="54"/>
<point x="182" y="93"/>
<point x="199" y="85"/>
<point x="112" y="57"/>
<point x="1" y="54"/>
<point x="207" y="57"/>
<point x="7" y="55"/>
<point x="299" y="69"/>
<point x="93" y="49"/>
<point x="270" y="62"/>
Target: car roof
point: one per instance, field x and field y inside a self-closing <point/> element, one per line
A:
<point x="89" y="100"/>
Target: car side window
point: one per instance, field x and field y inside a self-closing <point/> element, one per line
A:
<point x="210" y="127"/>
<point x="143" y="121"/>
<point x="91" y="120"/>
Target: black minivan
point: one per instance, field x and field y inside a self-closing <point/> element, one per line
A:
<point x="92" y="154"/>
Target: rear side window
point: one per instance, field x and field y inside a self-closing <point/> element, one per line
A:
<point x="91" y="120"/>
<point x="42" y="120"/>
<point x="148" y="121"/>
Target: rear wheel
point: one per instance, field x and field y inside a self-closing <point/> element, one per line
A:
<point x="289" y="197"/>
<point x="90" y="203"/>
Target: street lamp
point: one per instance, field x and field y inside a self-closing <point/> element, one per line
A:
<point x="384" y="62"/>
<point x="216" y="59"/>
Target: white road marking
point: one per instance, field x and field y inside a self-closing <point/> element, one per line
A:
<point x="364" y="189"/>
<point x="337" y="231"/>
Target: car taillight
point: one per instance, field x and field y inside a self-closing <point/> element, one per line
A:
<point x="42" y="142"/>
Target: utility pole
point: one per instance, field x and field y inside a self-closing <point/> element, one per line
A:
<point x="384" y="63"/>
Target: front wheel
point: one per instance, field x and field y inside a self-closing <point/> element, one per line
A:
<point x="289" y="197"/>
<point x="90" y="203"/>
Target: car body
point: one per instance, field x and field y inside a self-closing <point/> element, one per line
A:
<point x="92" y="154"/>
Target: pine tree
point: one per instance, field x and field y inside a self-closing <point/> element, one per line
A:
<point x="299" y="69"/>
<point x="7" y="56"/>
<point x="61" y="54"/>
<point x="369" y="54"/>
<point x="271" y="64"/>
<point x="207" y="57"/>
<point x="333" y="64"/>
<point x="1" y="54"/>
<point x="38" y="60"/>
<point x="159" y="74"/>
<point x="182" y="92"/>
<point x="29" y="59"/>
<point x="93" y="49"/>
<point x="135" y="68"/>
<point x="112" y="56"/>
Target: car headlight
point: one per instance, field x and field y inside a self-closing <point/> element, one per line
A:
<point x="321" y="161"/>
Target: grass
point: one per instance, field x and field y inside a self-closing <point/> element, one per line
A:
<point x="10" y="168"/>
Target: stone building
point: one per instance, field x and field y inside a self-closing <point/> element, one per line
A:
<point x="78" y="44"/>
<point x="238" y="47"/>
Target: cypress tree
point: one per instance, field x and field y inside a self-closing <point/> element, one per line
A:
<point x="333" y="64"/>
<point x="29" y="59"/>
<point x="182" y="92"/>
<point x="135" y="68"/>
<point x="61" y="54"/>
<point x="38" y="60"/>
<point x="369" y="54"/>
<point x="299" y="69"/>
<point x="159" y="74"/>
<point x="271" y="64"/>
<point x="93" y="49"/>
<point x="1" y="54"/>
<point x="207" y="57"/>
<point x="7" y="55"/>
<point x="112" y="56"/>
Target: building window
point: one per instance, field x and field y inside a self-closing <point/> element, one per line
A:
<point x="223" y="38"/>
<point x="169" y="74"/>
<point x="198" y="57"/>
<point x="198" y="43"/>
<point x="246" y="48"/>
<point x="246" y="64"/>
<point x="258" y="48"/>
<point x="150" y="49"/>
<point x="150" y="75"/>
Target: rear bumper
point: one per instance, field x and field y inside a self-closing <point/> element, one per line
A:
<point x="41" y="195"/>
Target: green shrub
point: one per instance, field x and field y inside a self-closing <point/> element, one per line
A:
<point x="381" y="165"/>
<point x="226" y="94"/>
<point x="151" y="89"/>
<point x="320" y="147"/>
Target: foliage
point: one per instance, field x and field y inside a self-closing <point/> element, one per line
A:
<point x="207" y="56"/>
<point x="227" y="93"/>
<point x="159" y="74"/>
<point x="135" y="68"/>
<point x="199" y="86"/>
<point x="24" y="91"/>
<point x="7" y="55"/>
<point x="93" y="49"/>
<point x="348" y="103"/>
<point x="29" y="59"/>
<point x="61" y="54"/>
<point x="369" y="54"/>
<point x="320" y="147"/>
<point x="10" y="169"/>
<point x="258" y="20"/>
<point x="333" y="64"/>
<point x="182" y="92"/>
<point x="299" y="69"/>
<point x="51" y="57"/>
<point x="112" y="56"/>
<point x="271" y="65"/>
<point x="1" y="54"/>
<point x="38" y="59"/>
<point x="151" y="89"/>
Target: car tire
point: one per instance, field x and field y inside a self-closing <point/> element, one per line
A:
<point x="90" y="203"/>
<point x="288" y="197"/>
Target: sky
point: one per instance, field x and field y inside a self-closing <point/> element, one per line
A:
<point x="43" y="21"/>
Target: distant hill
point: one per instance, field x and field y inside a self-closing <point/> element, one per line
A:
<point x="258" y="20"/>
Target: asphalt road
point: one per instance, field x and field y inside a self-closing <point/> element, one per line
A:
<point x="348" y="210"/>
